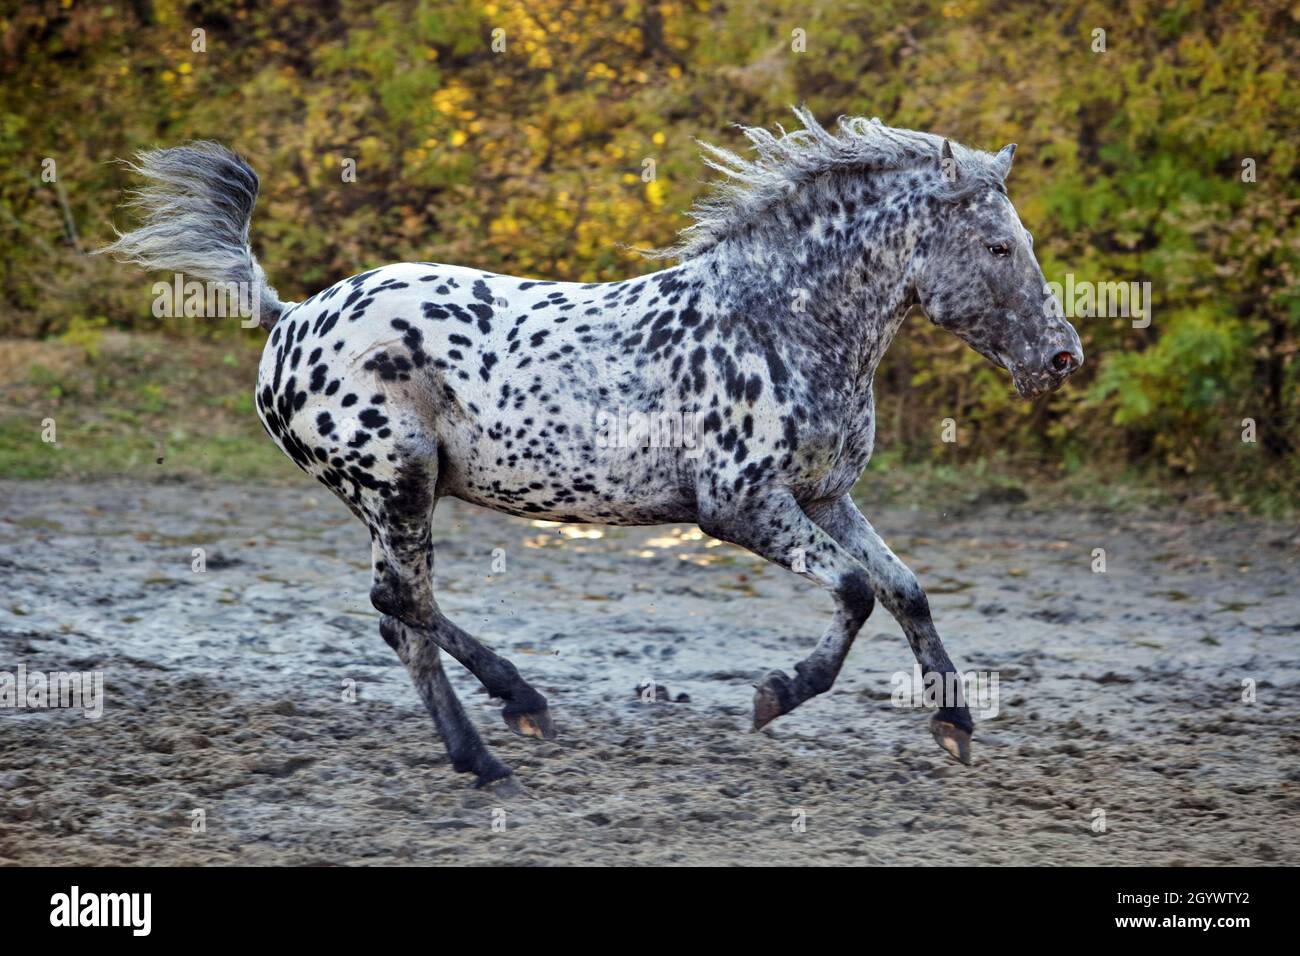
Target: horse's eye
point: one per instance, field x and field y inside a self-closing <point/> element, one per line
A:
<point x="999" y="248"/>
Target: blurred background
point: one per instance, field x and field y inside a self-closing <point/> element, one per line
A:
<point x="530" y="161"/>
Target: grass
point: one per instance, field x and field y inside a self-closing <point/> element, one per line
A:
<point x="958" y="488"/>
<point x="135" y="406"/>
<point x="1098" y="486"/>
<point x="161" y="408"/>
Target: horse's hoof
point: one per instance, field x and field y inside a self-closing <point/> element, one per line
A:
<point x="503" y="787"/>
<point x="536" y="724"/>
<point x="771" y="697"/>
<point x="954" y="740"/>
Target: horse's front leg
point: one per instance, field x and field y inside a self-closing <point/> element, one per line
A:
<point x="896" y="587"/>
<point x="772" y="525"/>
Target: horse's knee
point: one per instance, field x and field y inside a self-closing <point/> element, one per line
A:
<point x="907" y="600"/>
<point x="856" y="597"/>
<point x="913" y="602"/>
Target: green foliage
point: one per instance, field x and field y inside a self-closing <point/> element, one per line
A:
<point x="530" y="161"/>
<point x="139" y="398"/>
<point x="85" y="333"/>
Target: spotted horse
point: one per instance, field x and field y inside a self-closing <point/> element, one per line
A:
<point x="418" y="381"/>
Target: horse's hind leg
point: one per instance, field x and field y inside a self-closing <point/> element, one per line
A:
<point x="525" y="711"/>
<point x="420" y="654"/>
<point x="403" y="589"/>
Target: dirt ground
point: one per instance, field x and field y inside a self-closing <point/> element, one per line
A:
<point x="259" y="692"/>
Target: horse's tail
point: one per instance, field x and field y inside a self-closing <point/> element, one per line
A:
<point x="196" y="213"/>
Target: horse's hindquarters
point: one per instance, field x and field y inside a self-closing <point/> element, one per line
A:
<point x="492" y="379"/>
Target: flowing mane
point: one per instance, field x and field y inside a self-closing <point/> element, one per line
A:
<point x="787" y="160"/>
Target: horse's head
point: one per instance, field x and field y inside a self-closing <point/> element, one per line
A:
<point x="981" y="281"/>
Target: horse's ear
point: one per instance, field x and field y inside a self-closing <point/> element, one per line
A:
<point x="947" y="163"/>
<point x="1002" y="161"/>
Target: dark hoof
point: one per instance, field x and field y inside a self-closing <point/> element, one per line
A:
<point x="773" y="696"/>
<point x="536" y="724"/>
<point x="954" y="740"/>
<point x="503" y="787"/>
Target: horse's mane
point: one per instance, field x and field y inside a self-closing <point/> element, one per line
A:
<point x="787" y="160"/>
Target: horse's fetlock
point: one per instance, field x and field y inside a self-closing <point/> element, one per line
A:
<point x="814" y="678"/>
<point x="958" y="717"/>
<point x="523" y="700"/>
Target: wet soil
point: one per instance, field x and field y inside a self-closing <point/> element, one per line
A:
<point x="1145" y="714"/>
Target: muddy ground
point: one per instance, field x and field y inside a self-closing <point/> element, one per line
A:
<point x="259" y="692"/>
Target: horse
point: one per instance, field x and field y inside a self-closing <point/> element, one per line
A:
<point x="418" y="381"/>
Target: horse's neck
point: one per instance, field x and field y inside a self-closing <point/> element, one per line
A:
<point x="853" y="295"/>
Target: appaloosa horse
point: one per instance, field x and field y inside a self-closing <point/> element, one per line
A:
<point x="416" y="381"/>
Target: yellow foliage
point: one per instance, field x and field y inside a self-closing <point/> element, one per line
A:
<point x="528" y="160"/>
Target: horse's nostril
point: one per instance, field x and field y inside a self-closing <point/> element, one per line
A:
<point x="1062" y="362"/>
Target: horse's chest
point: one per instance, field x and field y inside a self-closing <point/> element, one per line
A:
<point x="847" y="452"/>
<point x="860" y="437"/>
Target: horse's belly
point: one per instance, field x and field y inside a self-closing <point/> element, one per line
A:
<point x="575" y="482"/>
<point x="582" y="509"/>
<point x="568" y="504"/>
